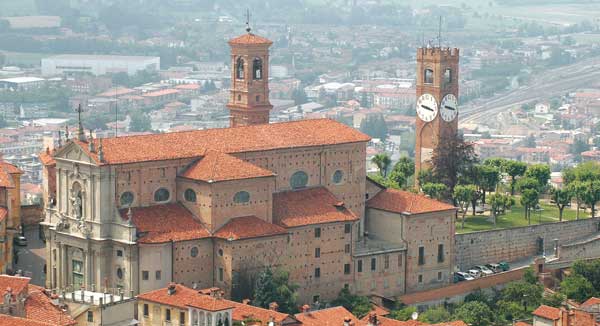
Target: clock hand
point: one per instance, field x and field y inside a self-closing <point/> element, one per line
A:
<point x="426" y="107"/>
<point x="449" y="107"/>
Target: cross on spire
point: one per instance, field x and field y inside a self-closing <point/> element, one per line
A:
<point x="248" y="29"/>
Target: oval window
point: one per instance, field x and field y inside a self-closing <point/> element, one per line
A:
<point x="190" y="195"/>
<point x="120" y="273"/>
<point x="241" y="197"/>
<point x="299" y="180"/>
<point x="338" y="176"/>
<point x="221" y="252"/>
<point x="127" y="198"/>
<point x="161" y="195"/>
<point x="194" y="252"/>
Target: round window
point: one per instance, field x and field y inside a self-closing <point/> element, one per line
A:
<point x="190" y="195"/>
<point x="194" y="251"/>
<point x="338" y="176"/>
<point x="241" y="197"/>
<point x="127" y="198"/>
<point x="161" y="195"/>
<point x="120" y="273"/>
<point x="299" y="180"/>
<point x="221" y="252"/>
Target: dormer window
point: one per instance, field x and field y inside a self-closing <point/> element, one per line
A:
<point x="257" y="69"/>
<point x="239" y="69"/>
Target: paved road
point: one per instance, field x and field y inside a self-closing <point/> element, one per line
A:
<point x="33" y="257"/>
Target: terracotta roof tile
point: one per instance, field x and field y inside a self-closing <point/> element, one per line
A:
<point x="379" y="311"/>
<point x="547" y="312"/>
<point x="188" y="144"/>
<point x="309" y="206"/>
<point x="331" y="316"/>
<point x="40" y="307"/>
<point x="16" y="283"/>
<point x="383" y="321"/>
<point x="215" y="166"/>
<point x="452" y="323"/>
<point x="250" y="38"/>
<point x="46" y="158"/>
<point x="16" y="321"/>
<point x="245" y="311"/>
<point x="521" y="323"/>
<point x="591" y="302"/>
<point x="248" y="227"/>
<point x="6" y="172"/>
<point x="161" y="92"/>
<point x="185" y="297"/>
<point x="399" y="201"/>
<point x="164" y="223"/>
<point x="188" y="86"/>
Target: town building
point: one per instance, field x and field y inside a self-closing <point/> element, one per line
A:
<point x="97" y="65"/>
<point x="215" y="207"/>
<point x="10" y="213"/>
<point x="22" y="83"/>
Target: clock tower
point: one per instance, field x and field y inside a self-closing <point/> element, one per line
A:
<point x="437" y="101"/>
<point x="249" y="96"/>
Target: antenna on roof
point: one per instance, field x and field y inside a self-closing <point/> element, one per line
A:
<point x="116" y="113"/>
<point x="440" y="33"/>
<point x="248" y="29"/>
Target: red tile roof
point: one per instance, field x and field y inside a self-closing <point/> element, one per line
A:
<point x="46" y="158"/>
<point x="521" y="323"/>
<point x="399" y="201"/>
<point x="383" y="321"/>
<point x="165" y="223"/>
<point x="248" y="227"/>
<point x="16" y="321"/>
<point x="40" y="307"/>
<point x="6" y="172"/>
<point x="16" y="283"/>
<point x="162" y="92"/>
<point x="591" y="301"/>
<point x="250" y="38"/>
<point x="332" y="316"/>
<point x="188" y="86"/>
<point x="452" y="323"/>
<point x="184" y="297"/>
<point x="215" y="166"/>
<point x="379" y="311"/>
<point x="188" y="144"/>
<point x="116" y="92"/>
<point x="309" y="206"/>
<point x="242" y="312"/>
<point x="547" y="312"/>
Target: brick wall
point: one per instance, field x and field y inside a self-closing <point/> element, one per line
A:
<point x="517" y="243"/>
<point x="32" y="214"/>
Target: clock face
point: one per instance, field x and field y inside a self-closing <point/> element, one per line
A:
<point x="449" y="108"/>
<point x="427" y="107"/>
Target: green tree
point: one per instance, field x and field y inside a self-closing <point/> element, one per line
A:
<point x="529" y="276"/>
<point x="463" y="195"/>
<point x="451" y="159"/>
<point x="275" y="286"/>
<point x="529" y="199"/>
<point x="404" y="169"/>
<point x="140" y="122"/>
<point x="526" y="293"/>
<point x="360" y="306"/>
<point x="374" y="125"/>
<point x="541" y="173"/>
<point x="425" y="176"/>
<point x="498" y="162"/>
<point x="591" y="194"/>
<point x="435" y="315"/>
<point x="511" y="310"/>
<point x="561" y="198"/>
<point x="590" y="270"/>
<point x="499" y="203"/>
<point x="475" y="313"/>
<point x="514" y="169"/>
<point x="578" y="191"/>
<point x="435" y="190"/>
<point x="555" y="299"/>
<point x="403" y="314"/>
<point x="382" y="161"/>
<point x="487" y="178"/>
<point x="577" y="287"/>
<point x="527" y="183"/>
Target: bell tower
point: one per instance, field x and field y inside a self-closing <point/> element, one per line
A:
<point x="437" y="101"/>
<point x="249" y="97"/>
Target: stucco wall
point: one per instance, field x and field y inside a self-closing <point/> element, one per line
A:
<point x="517" y="243"/>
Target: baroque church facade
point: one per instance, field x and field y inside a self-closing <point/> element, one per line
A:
<point x="213" y="208"/>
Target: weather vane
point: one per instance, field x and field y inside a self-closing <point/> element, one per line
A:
<point x="248" y="29"/>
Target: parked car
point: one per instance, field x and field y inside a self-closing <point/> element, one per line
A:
<point x="484" y="270"/>
<point x="475" y="273"/>
<point x="494" y="267"/>
<point x="462" y="276"/>
<point x="504" y="266"/>
<point x="20" y="241"/>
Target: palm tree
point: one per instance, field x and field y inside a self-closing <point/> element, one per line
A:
<point x="382" y="161"/>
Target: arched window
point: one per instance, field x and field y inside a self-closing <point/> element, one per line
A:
<point x="257" y="68"/>
<point x="126" y="198"/>
<point x="239" y="69"/>
<point x="161" y="195"/>
<point x="190" y="195"/>
<point x="241" y="197"/>
<point x="338" y="176"/>
<point x="299" y="180"/>
<point x="447" y="76"/>
<point x="428" y="76"/>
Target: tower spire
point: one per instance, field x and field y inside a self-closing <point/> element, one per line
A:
<point x="80" y="133"/>
<point x="248" y="28"/>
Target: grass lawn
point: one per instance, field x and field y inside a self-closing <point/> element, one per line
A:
<point x="516" y="217"/>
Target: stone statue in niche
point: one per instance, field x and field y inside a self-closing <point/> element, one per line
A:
<point x="76" y="203"/>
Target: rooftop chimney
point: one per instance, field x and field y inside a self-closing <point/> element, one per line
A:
<point x="348" y="321"/>
<point x="246" y="301"/>
<point x="305" y="309"/>
<point x="273" y="306"/>
<point x="171" y="289"/>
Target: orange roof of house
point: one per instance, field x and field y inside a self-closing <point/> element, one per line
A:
<point x="452" y="323"/>
<point x="46" y="158"/>
<point x="185" y="297"/>
<point x="188" y="144"/>
<point x="309" y="206"/>
<point x="165" y="223"/>
<point x="399" y="201"/>
<point x="245" y="311"/>
<point x="383" y="321"/>
<point x="162" y="92"/>
<point x="250" y="38"/>
<point x="379" y="311"/>
<point x="6" y="171"/>
<point x="39" y="306"/>
<point x="17" y="321"/>
<point x="248" y="227"/>
<point x="16" y="283"/>
<point x="521" y="323"/>
<point x="215" y="166"/>
<point x="3" y="213"/>
<point x="116" y="92"/>
<point x="330" y="316"/>
<point x="591" y="301"/>
<point x="547" y="312"/>
<point x="188" y="86"/>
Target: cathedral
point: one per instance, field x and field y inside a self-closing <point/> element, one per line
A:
<point x="213" y="208"/>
